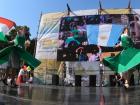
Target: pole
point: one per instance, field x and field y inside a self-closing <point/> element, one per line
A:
<point x="101" y="74"/>
<point x="129" y="6"/>
<point x="68" y="9"/>
<point x="100" y="7"/>
<point x="36" y="39"/>
<point x="102" y="98"/>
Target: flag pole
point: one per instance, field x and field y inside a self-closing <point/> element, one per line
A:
<point x="129" y="6"/>
<point x="101" y="69"/>
<point x="68" y="10"/>
<point x="100" y="7"/>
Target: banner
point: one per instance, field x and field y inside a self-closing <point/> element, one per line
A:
<point x="104" y="35"/>
<point x="47" y="40"/>
<point x="84" y="12"/>
<point x="49" y="23"/>
<point x="79" y="36"/>
<point x="47" y="54"/>
<point x="115" y="11"/>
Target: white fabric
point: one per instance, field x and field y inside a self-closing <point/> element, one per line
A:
<point x="4" y="28"/>
<point x="123" y="35"/>
<point x="21" y="72"/>
<point x="104" y="33"/>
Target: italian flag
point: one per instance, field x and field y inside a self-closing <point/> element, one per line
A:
<point x="5" y="26"/>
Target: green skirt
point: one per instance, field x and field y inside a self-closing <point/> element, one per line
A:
<point x="5" y="55"/>
<point x="124" y="61"/>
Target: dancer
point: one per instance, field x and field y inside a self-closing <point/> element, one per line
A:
<point x="16" y="53"/>
<point x="127" y="59"/>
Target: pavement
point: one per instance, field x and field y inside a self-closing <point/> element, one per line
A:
<point x="60" y="95"/>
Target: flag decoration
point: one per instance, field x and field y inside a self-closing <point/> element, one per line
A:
<point x="5" y="26"/>
<point x="104" y="34"/>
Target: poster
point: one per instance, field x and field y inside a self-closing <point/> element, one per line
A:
<point x="81" y="36"/>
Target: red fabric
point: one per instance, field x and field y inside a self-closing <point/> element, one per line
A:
<point x="7" y="22"/>
<point x="19" y="80"/>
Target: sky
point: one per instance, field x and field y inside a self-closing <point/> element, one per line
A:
<point x="27" y="12"/>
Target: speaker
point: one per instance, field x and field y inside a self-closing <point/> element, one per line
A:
<point x="92" y="80"/>
<point x="112" y="80"/>
<point x="77" y="80"/>
<point x="55" y="79"/>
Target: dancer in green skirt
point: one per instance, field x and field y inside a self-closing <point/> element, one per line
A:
<point x="127" y="59"/>
<point x="14" y="53"/>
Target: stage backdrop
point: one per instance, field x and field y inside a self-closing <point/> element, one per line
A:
<point x="56" y="31"/>
<point x="80" y="36"/>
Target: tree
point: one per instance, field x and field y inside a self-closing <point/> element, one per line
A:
<point x="31" y="48"/>
<point x="13" y="33"/>
<point x="30" y="43"/>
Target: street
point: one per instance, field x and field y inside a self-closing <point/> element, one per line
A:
<point x="58" y="95"/>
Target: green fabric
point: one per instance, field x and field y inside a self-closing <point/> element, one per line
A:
<point x="126" y="42"/>
<point x="25" y="56"/>
<point x="75" y="33"/>
<point x="4" y="59"/>
<point x="28" y="58"/>
<point x="4" y="54"/>
<point x="71" y="39"/>
<point x="2" y="37"/>
<point x="125" y="60"/>
<point x="19" y="41"/>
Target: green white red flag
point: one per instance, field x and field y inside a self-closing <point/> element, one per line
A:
<point x="5" y="26"/>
